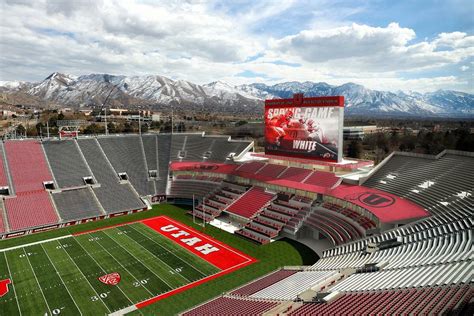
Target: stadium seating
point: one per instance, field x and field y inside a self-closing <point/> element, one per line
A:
<point x="30" y="209"/>
<point x="191" y="188"/>
<point x="264" y="282"/>
<point x="323" y="179"/>
<point x="295" y="174"/>
<point x="28" y="165"/>
<point x="288" y="288"/>
<point x="113" y="196"/>
<point x="3" y="168"/>
<point x="232" y="306"/>
<point x="66" y="163"/>
<point x="164" y="147"/>
<point x="76" y="204"/>
<point x="272" y="171"/>
<point x="438" y="183"/>
<point x="415" y="301"/>
<point x="251" y="167"/>
<point x="126" y="154"/>
<point x="250" y="202"/>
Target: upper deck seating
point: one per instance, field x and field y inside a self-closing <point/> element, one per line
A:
<point x="113" y="196"/>
<point x="126" y="154"/>
<point x="28" y="165"/>
<point x="66" y="162"/>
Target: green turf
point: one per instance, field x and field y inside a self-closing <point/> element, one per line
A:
<point x="148" y="256"/>
<point x="60" y="277"/>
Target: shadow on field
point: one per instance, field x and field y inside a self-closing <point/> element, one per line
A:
<point x="308" y="256"/>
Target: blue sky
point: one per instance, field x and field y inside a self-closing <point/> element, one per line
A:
<point x="384" y="45"/>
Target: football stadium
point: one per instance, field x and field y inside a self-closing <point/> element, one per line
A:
<point x="197" y="224"/>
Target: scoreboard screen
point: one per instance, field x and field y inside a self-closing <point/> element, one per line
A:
<point x="308" y="128"/>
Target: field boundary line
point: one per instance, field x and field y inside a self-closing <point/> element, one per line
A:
<point x="170" y="251"/>
<point x="35" y="243"/>
<point x="140" y="260"/>
<point x="157" y="257"/>
<point x="133" y="276"/>
<point x="70" y="258"/>
<point x="13" y="283"/>
<point x="44" y="297"/>
<point x="102" y="268"/>
<point x="62" y="281"/>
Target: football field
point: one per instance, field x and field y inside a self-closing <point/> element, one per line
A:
<point x="115" y="269"/>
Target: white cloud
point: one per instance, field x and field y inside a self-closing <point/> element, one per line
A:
<point x="193" y="41"/>
<point x="376" y="49"/>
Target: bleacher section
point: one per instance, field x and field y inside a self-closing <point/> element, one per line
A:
<point x="263" y="283"/>
<point x="164" y="148"/>
<point x="188" y="189"/>
<point x="30" y="209"/>
<point x="76" y="204"/>
<point x="66" y="163"/>
<point x="250" y="202"/>
<point x="28" y="165"/>
<point x="232" y="306"/>
<point x="290" y="287"/>
<point x="3" y="170"/>
<point x="113" y="196"/>
<point x="437" y="183"/>
<point x="295" y="174"/>
<point x="321" y="178"/>
<point x="415" y="301"/>
<point x="195" y="147"/>
<point x="126" y="155"/>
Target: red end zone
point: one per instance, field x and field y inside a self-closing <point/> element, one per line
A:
<point x="216" y="253"/>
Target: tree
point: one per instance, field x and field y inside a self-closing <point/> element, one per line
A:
<point x="20" y="130"/>
<point x="354" y="150"/>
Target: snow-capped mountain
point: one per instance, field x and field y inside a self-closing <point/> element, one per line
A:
<point x="161" y="92"/>
<point x="361" y="100"/>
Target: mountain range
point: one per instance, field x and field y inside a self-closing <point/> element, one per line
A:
<point x="161" y="93"/>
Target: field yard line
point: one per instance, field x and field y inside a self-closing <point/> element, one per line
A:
<point x="118" y="286"/>
<point x="158" y="259"/>
<point x="13" y="283"/>
<point x="93" y="289"/>
<point x="204" y="274"/>
<point x="44" y="297"/>
<point x="139" y="259"/>
<point x="171" y="251"/>
<point x="123" y="266"/>
<point x="61" y="279"/>
<point x="35" y="243"/>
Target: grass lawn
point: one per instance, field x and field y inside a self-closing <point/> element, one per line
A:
<point x="119" y="249"/>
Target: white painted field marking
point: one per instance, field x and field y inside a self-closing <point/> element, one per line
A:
<point x="61" y="279"/>
<point x="154" y="241"/>
<point x="157" y="257"/>
<point x="118" y="286"/>
<point x="142" y="262"/>
<point x="174" y="269"/>
<point x="35" y="243"/>
<point x="85" y="277"/>
<point x="12" y="283"/>
<point x="124" y="311"/>
<point x="172" y="252"/>
<point x="44" y="297"/>
<point x="123" y="267"/>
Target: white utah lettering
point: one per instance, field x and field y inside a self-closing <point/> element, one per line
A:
<point x="206" y="249"/>
<point x="180" y="233"/>
<point x="191" y="241"/>
<point x="169" y="228"/>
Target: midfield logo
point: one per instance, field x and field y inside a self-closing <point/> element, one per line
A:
<point x="110" y="279"/>
<point x="4" y="286"/>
